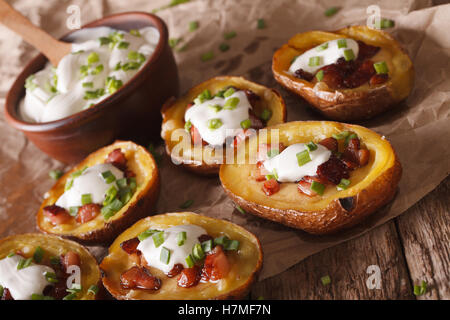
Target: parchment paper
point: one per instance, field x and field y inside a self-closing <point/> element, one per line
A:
<point x="418" y="129"/>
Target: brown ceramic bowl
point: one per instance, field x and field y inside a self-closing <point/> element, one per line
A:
<point x="133" y="112"/>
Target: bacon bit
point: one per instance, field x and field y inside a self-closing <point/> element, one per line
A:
<point x="252" y="97"/>
<point x="204" y="237"/>
<point x="260" y="172"/>
<point x="333" y="170"/>
<point x="330" y="143"/>
<point x="189" y="277"/>
<point x="270" y="187"/>
<point x="117" y="159"/>
<point x="59" y="289"/>
<point x="332" y="76"/>
<point x="366" y="51"/>
<point x="175" y="270"/>
<point x="302" y="74"/>
<point x="57" y="215"/>
<point x="88" y="212"/>
<point x="351" y="152"/>
<point x="216" y="265"/>
<point x="70" y="259"/>
<point x="196" y="137"/>
<point x="257" y="123"/>
<point x="6" y="295"/>
<point x="379" y="79"/>
<point x="139" y="278"/>
<point x="361" y="75"/>
<point x="130" y="245"/>
<point x="364" y="156"/>
<point x="129" y="174"/>
<point x="350" y="165"/>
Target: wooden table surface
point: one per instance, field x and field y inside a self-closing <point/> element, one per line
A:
<point x="411" y="248"/>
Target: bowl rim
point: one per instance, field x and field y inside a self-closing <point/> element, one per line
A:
<point x="11" y="110"/>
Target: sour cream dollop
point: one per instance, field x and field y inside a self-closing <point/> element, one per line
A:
<point x="90" y="182"/>
<point x="24" y="282"/>
<point x="102" y="60"/>
<point x="178" y="254"/>
<point x="328" y="53"/>
<point x="201" y="115"/>
<point x="287" y="167"/>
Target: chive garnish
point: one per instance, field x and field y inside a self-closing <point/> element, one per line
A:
<point x="261" y="24"/>
<point x="89" y="84"/>
<point x="86" y="198"/>
<point x="68" y="184"/>
<point x="186" y="204"/>
<point x="214" y="124"/>
<point x="326" y="280"/>
<point x="135" y="32"/>
<point x="314" y="61"/>
<point x="303" y="158"/>
<point x="311" y="146"/>
<point x="30" y="84"/>
<point x="319" y="75"/>
<point x="317" y="187"/>
<point x="322" y="47"/>
<point x="331" y="11"/>
<point x="12" y="254"/>
<point x="131" y="65"/>
<point x="51" y="277"/>
<point x="344" y="184"/>
<point x="207" y="56"/>
<point x="93" y="57"/>
<point x="70" y="296"/>
<point x="231" y="103"/>
<point x="207" y="245"/>
<point x="224" y="47"/>
<point x="158" y="238"/>
<point x="266" y="114"/>
<point x="420" y="290"/>
<point x="193" y="25"/>
<point x="220" y="240"/>
<point x="245" y="124"/>
<point x="341" y="135"/>
<point x="110" y="195"/>
<point x="123" y="45"/>
<point x="349" y="55"/>
<point x="215" y="107"/>
<point x="55" y="174"/>
<point x="122" y="183"/>
<point x="190" y="261"/>
<point x="164" y="256"/>
<point x="97" y="69"/>
<point x="173" y="42"/>
<point x="108" y="177"/>
<point x="188" y="125"/>
<point x="36" y="296"/>
<point x="228" y="92"/>
<point x="232" y="245"/>
<point x="273" y="152"/>
<point x="181" y="238"/>
<point x="342" y="43"/>
<point x="93" y="289"/>
<point x="104" y="41"/>
<point x="1" y="290"/>
<point x="111" y="209"/>
<point x="73" y="211"/>
<point x="38" y="254"/>
<point x="350" y="137"/>
<point x="197" y="252"/>
<point x="229" y="35"/>
<point x="55" y="261"/>
<point x="238" y="208"/>
<point x="384" y="23"/>
<point x="381" y="67"/>
<point x="147" y="233"/>
<point x="24" y="263"/>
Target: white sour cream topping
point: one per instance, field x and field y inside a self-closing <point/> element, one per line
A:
<point x="286" y="164"/>
<point x="54" y="94"/>
<point x="90" y="181"/>
<point x="199" y="114"/>
<point x="328" y="56"/>
<point x="178" y="254"/>
<point x="24" y="282"/>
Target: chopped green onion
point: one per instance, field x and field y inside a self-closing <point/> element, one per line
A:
<point x="344" y="184"/>
<point x="135" y="32"/>
<point x="231" y="103"/>
<point x="420" y="290"/>
<point x="104" y="41"/>
<point x="182" y="48"/>
<point x="12" y="254"/>
<point x="331" y="11"/>
<point x="275" y="174"/>
<point x="86" y="198"/>
<point x="164" y="256"/>
<point x="311" y="146"/>
<point x="70" y="296"/>
<point x="108" y="176"/>
<point x="232" y="245"/>
<point x="270" y="176"/>
<point x="110" y="195"/>
<point x="273" y="152"/>
<point x="314" y="61"/>
<point x="51" y="277"/>
<point x="341" y="135"/>
<point x="68" y="184"/>
<point x="84" y="70"/>
<point x="147" y="233"/>
<point x="224" y="47"/>
<point x="38" y="254"/>
<point x="55" y="174"/>
<point x="132" y="183"/>
<point x="193" y="25"/>
<point x="245" y="124"/>
<point x="89" y="84"/>
<point x="349" y="55"/>
<point x="202" y="97"/>
<point x="221" y="240"/>
<point x="207" y="245"/>
<point x="350" y="137"/>
<point x="266" y="114"/>
<point x="181" y="238"/>
<point x="113" y="84"/>
<point x="215" y="107"/>
<point x="125" y="195"/>
<point x="326" y="280"/>
<point x="207" y="56"/>
<point x="322" y="47"/>
<point x="188" y="125"/>
<point x="95" y="94"/>
<point x="173" y="42"/>
<point x="317" y="187"/>
<point x="261" y="24"/>
<point x="238" y="208"/>
<point x="384" y="23"/>
<point x="342" y="43"/>
<point x="197" y="252"/>
<point x="158" y="238"/>
<point x="55" y="261"/>
<point x="319" y="75"/>
<point x="24" y="263"/>
<point x="111" y="209"/>
<point x="303" y="158"/>
<point x="93" y="289"/>
<point x="1" y="290"/>
<point x="36" y="296"/>
<point x="73" y="211"/>
<point x="214" y="124"/>
<point x="381" y="67"/>
<point x="134" y="55"/>
<point x="93" y="57"/>
<point x="122" y="183"/>
<point x="229" y="35"/>
<point x="123" y="45"/>
<point x="186" y="204"/>
<point x="97" y="70"/>
<point x="190" y="261"/>
<point x="229" y="92"/>
<point x="131" y="65"/>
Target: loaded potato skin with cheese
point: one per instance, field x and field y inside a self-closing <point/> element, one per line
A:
<point x="348" y="75"/>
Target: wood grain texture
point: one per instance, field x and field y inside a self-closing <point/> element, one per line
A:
<point x="425" y="234"/>
<point x="346" y="264"/>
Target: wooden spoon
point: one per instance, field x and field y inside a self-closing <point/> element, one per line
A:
<point x="53" y="49"/>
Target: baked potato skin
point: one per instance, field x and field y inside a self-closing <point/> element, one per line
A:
<point x="116" y="258"/>
<point x="56" y="246"/>
<point x="348" y="104"/>
<point x="174" y="109"/>
<point x="339" y="213"/>
<point x="141" y="205"/>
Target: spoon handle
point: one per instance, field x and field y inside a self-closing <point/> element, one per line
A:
<point x="53" y="49"/>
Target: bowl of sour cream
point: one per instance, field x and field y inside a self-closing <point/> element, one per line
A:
<point x="111" y="86"/>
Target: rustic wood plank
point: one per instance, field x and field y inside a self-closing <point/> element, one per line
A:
<point x="346" y="264"/>
<point x="425" y="233"/>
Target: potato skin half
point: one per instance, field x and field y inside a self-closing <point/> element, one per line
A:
<point x="340" y="212"/>
<point x="56" y="246"/>
<point x="141" y="204"/>
<point x="117" y="261"/>
<point x="174" y="109"/>
<point x="348" y="104"/>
